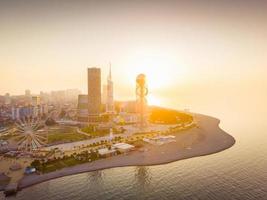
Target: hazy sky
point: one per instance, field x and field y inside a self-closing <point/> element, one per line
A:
<point x="184" y="47"/>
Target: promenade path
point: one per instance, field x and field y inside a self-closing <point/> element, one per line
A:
<point x="129" y="130"/>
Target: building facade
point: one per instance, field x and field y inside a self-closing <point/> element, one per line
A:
<point x="110" y="102"/>
<point x="82" y="110"/>
<point x="36" y="100"/>
<point x="7" y="99"/>
<point x="94" y="94"/>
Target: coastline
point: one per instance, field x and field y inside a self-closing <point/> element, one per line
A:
<point x="208" y="138"/>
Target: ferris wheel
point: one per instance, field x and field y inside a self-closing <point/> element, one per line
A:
<point x="31" y="134"/>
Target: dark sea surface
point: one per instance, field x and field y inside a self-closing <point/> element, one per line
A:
<point x="236" y="173"/>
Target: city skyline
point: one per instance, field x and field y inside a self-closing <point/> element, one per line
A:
<point x="117" y="99"/>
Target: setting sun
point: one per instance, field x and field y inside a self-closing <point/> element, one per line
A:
<point x="158" y="66"/>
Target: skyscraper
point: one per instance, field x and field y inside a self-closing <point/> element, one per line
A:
<point x="110" y="101"/>
<point x="94" y="94"/>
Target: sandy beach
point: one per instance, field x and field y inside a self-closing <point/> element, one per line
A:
<point x="207" y="138"/>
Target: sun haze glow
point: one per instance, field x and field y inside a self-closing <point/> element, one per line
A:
<point x="156" y="65"/>
<point x="153" y="101"/>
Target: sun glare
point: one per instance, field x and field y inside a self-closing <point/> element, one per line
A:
<point x="160" y="69"/>
<point x="153" y="101"/>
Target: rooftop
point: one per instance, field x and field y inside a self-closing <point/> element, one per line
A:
<point x="123" y="146"/>
<point x="105" y="151"/>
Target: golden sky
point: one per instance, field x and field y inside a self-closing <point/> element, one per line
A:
<point x="188" y="48"/>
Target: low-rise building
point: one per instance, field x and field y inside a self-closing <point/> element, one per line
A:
<point x="127" y="118"/>
<point x="123" y="147"/>
<point x="82" y="110"/>
<point x="105" y="152"/>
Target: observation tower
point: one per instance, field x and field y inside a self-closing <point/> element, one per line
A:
<point x="141" y="102"/>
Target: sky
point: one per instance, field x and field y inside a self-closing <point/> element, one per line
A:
<point x="191" y="51"/>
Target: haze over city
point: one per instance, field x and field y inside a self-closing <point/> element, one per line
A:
<point x="181" y="46"/>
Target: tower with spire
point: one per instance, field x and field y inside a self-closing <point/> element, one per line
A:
<point x="110" y="100"/>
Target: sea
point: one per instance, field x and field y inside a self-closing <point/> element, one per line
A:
<point x="236" y="173"/>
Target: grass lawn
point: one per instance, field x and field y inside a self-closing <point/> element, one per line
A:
<point x="98" y="134"/>
<point x="65" y="135"/>
<point x="93" y="133"/>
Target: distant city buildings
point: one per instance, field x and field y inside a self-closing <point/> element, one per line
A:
<point x="17" y="107"/>
<point x="65" y="96"/>
<point x="27" y="93"/>
<point x="82" y="109"/>
<point x="60" y="96"/>
<point x="94" y="94"/>
<point x="28" y="96"/>
<point x="33" y="109"/>
<point x="7" y="99"/>
<point x="21" y="112"/>
<point x="36" y="101"/>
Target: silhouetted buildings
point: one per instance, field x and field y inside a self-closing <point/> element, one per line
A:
<point x="94" y="94"/>
<point x="36" y="101"/>
<point x="82" y="110"/>
<point x="109" y="100"/>
<point x="7" y="99"/>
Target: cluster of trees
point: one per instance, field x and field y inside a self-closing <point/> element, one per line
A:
<point x="50" y="122"/>
<point x="67" y="161"/>
<point x="166" y="116"/>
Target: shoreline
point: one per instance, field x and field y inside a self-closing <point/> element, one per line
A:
<point x="208" y="138"/>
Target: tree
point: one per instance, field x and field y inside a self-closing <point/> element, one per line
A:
<point x="50" y="122"/>
<point x="36" y="163"/>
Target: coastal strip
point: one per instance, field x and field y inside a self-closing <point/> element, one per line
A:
<point x="207" y="138"/>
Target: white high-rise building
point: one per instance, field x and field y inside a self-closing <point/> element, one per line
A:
<point x="109" y="100"/>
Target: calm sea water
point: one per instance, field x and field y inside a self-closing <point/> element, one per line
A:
<point x="237" y="173"/>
